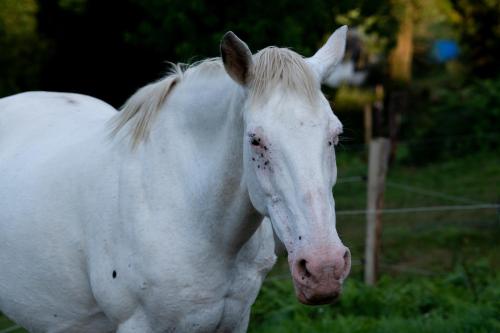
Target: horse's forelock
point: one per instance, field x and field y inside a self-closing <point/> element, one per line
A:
<point x="275" y="67"/>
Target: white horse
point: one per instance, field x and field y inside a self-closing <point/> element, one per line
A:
<point x="154" y="224"/>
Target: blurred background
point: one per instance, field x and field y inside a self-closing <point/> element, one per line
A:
<point x="425" y="74"/>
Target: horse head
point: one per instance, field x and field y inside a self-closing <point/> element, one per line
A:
<point x="289" y="156"/>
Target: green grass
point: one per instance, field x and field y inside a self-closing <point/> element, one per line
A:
<point x="440" y="270"/>
<point x="439" y="304"/>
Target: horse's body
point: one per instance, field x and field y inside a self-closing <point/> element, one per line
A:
<point x="96" y="236"/>
<point x="53" y="283"/>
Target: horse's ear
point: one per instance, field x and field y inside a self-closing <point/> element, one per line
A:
<point x="236" y="57"/>
<point x="326" y="58"/>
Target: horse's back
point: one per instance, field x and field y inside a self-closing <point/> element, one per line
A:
<point x="38" y="118"/>
<point x="43" y="280"/>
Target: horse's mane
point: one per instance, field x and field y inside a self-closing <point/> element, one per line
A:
<point x="142" y="107"/>
<point x="272" y="67"/>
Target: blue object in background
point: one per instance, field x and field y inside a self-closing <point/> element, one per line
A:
<point x="445" y="49"/>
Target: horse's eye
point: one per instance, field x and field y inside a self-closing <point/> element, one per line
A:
<point x="255" y="142"/>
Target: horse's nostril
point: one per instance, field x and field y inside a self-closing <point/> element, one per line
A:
<point x="347" y="264"/>
<point x="303" y="269"/>
<point x="347" y="255"/>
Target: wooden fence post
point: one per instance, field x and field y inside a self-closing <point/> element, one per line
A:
<point x="377" y="170"/>
<point x="367" y="120"/>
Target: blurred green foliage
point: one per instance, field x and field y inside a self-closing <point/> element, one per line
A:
<point x="352" y="98"/>
<point x="478" y="25"/>
<point x="194" y="28"/>
<point x="108" y="49"/>
<point x="21" y="49"/>
<point x="455" y="120"/>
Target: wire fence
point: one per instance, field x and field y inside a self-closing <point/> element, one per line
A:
<point x="472" y="204"/>
<point x="463" y="203"/>
<point x="346" y="143"/>
<point x="418" y="209"/>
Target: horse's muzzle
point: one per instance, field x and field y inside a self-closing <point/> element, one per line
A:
<point x="318" y="279"/>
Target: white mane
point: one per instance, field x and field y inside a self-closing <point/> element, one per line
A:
<point x="142" y="107"/>
<point x="272" y="67"/>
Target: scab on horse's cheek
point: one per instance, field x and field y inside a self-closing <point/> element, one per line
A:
<point x="260" y="151"/>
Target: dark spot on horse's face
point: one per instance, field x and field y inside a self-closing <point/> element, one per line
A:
<point x="266" y="162"/>
<point x="255" y="142"/>
<point x="261" y="155"/>
<point x="55" y="315"/>
<point x="258" y="166"/>
<point x="265" y="147"/>
<point x="114" y="274"/>
<point x="253" y="158"/>
<point x="300" y="237"/>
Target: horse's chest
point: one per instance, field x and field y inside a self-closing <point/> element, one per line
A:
<point x="203" y="294"/>
<point x="228" y="308"/>
<point x="226" y="312"/>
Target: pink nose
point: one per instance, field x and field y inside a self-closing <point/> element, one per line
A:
<point x="318" y="278"/>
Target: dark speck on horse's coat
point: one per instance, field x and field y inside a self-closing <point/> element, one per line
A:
<point x="69" y="100"/>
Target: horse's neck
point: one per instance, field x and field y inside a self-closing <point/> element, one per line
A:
<point x="199" y="136"/>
